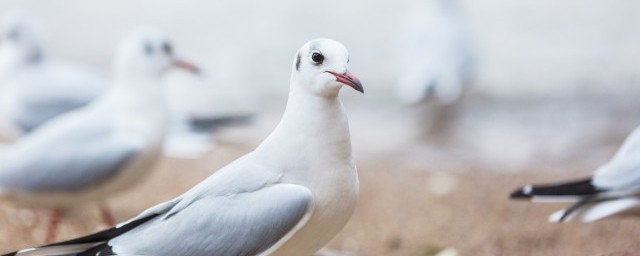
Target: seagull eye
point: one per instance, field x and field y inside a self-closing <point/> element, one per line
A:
<point x="166" y="47"/>
<point x="317" y="58"/>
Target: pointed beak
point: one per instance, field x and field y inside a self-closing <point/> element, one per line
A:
<point x="348" y="79"/>
<point x="178" y="63"/>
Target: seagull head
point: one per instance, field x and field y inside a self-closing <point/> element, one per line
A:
<point x="320" y="67"/>
<point x="148" y="53"/>
<point x="20" y="37"/>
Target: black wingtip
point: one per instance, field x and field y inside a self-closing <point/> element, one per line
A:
<point x="99" y="237"/>
<point x="582" y="187"/>
<point x="522" y="193"/>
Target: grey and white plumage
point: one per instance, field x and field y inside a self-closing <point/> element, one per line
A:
<point x="33" y="88"/>
<point x="289" y="196"/>
<point x="86" y="144"/>
<point x="104" y="148"/>
<point x="434" y="56"/>
<point x="614" y="188"/>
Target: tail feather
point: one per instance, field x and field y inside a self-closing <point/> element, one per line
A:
<point x="570" y="191"/>
<point x="594" y="210"/>
<point x="608" y="208"/>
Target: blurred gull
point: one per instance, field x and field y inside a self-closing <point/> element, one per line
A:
<point x="289" y="196"/>
<point x="614" y="188"/>
<point x="200" y="108"/>
<point x="434" y="56"/>
<point x="34" y="89"/>
<point x="103" y="148"/>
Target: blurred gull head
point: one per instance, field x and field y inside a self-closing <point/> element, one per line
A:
<point x="20" y="38"/>
<point x="320" y="67"/>
<point x="147" y="53"/>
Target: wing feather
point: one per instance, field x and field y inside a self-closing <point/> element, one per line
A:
<point x="239" y="224"/>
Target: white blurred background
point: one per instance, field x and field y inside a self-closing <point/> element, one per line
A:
<point x="554" y="81"/>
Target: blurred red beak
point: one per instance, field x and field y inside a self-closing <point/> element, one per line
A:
<point x="178" y="63"/>
<point x="348" y="79"/>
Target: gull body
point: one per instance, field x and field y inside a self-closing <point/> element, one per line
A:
<point x="434" y="57"/>
<point x="33" y="88"/>
<point x="289" y="196"/>
<point x="106" y="147"/>
<point x="613" y="189"/>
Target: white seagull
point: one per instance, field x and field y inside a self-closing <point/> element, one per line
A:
<point x="33" y="88"/>
<point x="290" y="196"/>
<point x="91" y="153"/>
<point x="613" y="189"/>
<point x="434" y="56"/>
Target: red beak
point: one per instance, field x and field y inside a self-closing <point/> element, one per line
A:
<point x="348" y="79"/>
<point x="178" y="63"/>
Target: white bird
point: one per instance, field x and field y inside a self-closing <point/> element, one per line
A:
<point x="289" y="196"/>
<point x="91" y="153"/>
<point x="613" y="189"/>
<point x="434" y="56"/>
<point x="33" y="88"/>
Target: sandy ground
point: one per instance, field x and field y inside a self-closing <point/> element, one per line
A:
<point x="402" y="211"/>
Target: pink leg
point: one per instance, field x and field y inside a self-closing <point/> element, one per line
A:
<point x="53" y="219"/>
<point x="106" y="216"/>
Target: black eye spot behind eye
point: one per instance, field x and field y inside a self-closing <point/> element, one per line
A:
<point x="167" y="48"/>
<point x="317" y="57"/>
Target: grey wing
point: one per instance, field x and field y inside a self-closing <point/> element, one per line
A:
<point x="67" y="160"/>
<point x="66" y="89"/>
<point x="32" y="115"/>
<point x="246" y="223"/>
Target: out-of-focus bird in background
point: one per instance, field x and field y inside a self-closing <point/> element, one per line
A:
<point x="434" y="55"/>
<point x="613" y="189"/>
<point x="290" y="196"/>
<point x="201" y="109"/>
<point x="108" y="146"/>
<point x="434" y="65"/>
<point x="33" y="88"/>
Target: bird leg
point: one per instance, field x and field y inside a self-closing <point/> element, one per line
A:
<point x="105" y="214"/>
<point x="53" y="219"/>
